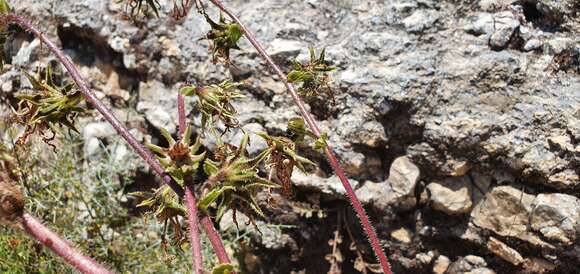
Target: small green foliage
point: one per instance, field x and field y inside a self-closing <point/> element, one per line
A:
<point x="164" y="203"/>
<point x="179" y="159"/>
<point x="223" y="269"/>
<point x="215" y="103"/>
<point x="282" y="158"/>
<point x="141" y="6"/>
<point x="313" y="76"/>
<point x="225" y="36"/>
<point x="166" y="207"/>
<point x="4" y="7"/>
<point x="297" y="132"/>
<point x="234" y="180"/>
<point x="297" y="129"/>
<point x="47" y="107"/>
<point x="322" y="142"/>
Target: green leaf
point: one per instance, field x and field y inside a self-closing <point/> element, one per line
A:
<point x="322" y="142"/>
<point x="223" y="206"/>
<point x="210" y="168"/>
<point x="4" y="7"/>
<point x="296" y="65"/>
<point x="187" y="135"/>
<point x="211" y="196"/>
<point x="146" y="203"/>
<point x="154" y="148"/>
<point x="188" y="90"/>
<point x="36" y="84"/>
<point x="297" y="129"/>
<point x="223" y="269"/>
<point x="234" y="34"/>
<point x="322" y="55"/>
<point x="297" y="76"/>
<point x="261" y="182"/>
<point x="312" y="53"/>
<point x="167" y="136"/>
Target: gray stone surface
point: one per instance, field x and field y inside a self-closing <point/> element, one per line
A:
<point x="469" y="264"/>
<point x="557" y="217"/>
<point x="397" y="191"/>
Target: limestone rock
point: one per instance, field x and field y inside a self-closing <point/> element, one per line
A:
<point x="331" y="186"/>
<point x="452" y="196"/>
<point x="402" y="235"/>
<point x="557" y="217"/>
<point x="504" y="251"/>
<point x="469" y="264"/>
<point x="398" y="190"/>
<point x="505" y="211"/>
<point x="420" y="20"/>
<point x="283" y="49"/>
<point x="441" y="264"/>
<point x="94" y="134"/>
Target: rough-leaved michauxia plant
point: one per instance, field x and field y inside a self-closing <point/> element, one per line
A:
<point x="199" y="184"/>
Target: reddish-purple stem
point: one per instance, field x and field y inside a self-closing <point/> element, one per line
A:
<point x="193" y="221"/>
<point x="215" y="240"/>
<point x="120" y="128"/>
<point x="357" y="205"/>
<point x="59" y="246"/>
<point x="181" y="114"/>
<point x="190" y="202"/>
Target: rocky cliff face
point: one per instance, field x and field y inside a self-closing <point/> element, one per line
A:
<point x="458" y="121"/>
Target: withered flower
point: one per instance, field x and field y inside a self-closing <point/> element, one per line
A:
<point x="224" y="36"/>
<point x="313" y="76"/>
<point x="11" y="200"/>
<point x="179" y="159"/>
<point x="215" y="103"/>
<point x="233" y="182"/>
<point x="282" y="158"/>
<point x="47" y="107"/>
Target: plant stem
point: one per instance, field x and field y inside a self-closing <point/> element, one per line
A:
<point x="214" y="239"/>
<point x="59" y="246"/>
<point x="90" y="96"/>
<point x="190" y="202"/>
<point x="181" y="114"/>
<point x="357" y="205"/>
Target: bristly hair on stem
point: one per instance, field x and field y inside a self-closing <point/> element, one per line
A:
<point x="357" y="205"/>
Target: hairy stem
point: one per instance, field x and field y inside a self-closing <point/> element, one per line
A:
<point x="90" y="96"/>
<point x="214" y="239"/>
<point x="193" y="221"/>
<point x="358" y="207"/>
<point x="190" y="201"/>
<point x="59" y="246"/>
